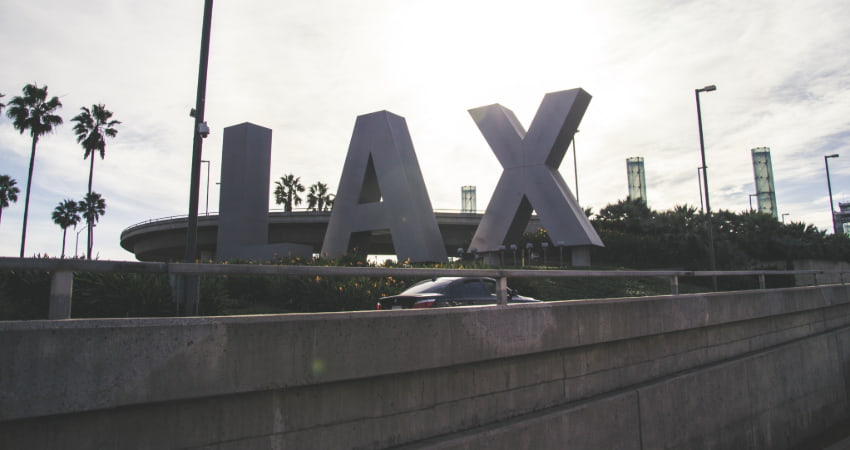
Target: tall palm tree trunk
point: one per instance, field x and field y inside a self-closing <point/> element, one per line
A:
<point x="91" y="238"/>
<point x="64" y="234"/>
<point x="27" y="200"/>
<point x="89" y="233"/>
<point x="91" y="170"/>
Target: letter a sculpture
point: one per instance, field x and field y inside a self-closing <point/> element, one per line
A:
<point x="381" y="188"/>
<point x="530" y="180"/>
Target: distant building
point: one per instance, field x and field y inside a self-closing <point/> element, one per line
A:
<point x="763" y="172"/>
<point x="467" y="199"/>
<point x="637" y="178"/>
<point x="842" y="217"/>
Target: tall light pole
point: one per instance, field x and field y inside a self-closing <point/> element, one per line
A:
<point x="189" y="288"/>
<point x="207" y="210"/>
<point x="711" y="259"/>
<point x="200" y="130"/>
<point x="699" y="181"/>
<point x="77" y="242"/>
<point x="829" y="186"/>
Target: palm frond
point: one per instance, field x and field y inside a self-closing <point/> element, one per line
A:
<point x="93" y="127"/>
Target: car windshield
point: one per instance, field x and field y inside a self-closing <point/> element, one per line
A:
<point x="432" y="285"/>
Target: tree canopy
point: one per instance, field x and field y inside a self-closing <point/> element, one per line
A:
<point x="286" y="191"/>
<point x="637" y="236"/>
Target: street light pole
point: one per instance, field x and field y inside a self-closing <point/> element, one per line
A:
<point x="829" y="186"/>
<point x="711" y="258"/>
<point x="199" y="132"/>
<point x="699" y="181"/>
<point x="207" y="210"/>
<point x="77" y="242"/>
<point x="189" y="287"/>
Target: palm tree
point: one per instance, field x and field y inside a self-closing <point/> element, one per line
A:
<point x="286" y="192"/>
<point x="8" y="192"/>
<point x="319" y="199"/>
<point x="92" y="207"/>
<point x="33" y="112"/>
<point x="92" y="128"/>
<point x="66" y="215"/>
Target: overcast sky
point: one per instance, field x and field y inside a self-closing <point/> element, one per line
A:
<point x="308" y="69"/>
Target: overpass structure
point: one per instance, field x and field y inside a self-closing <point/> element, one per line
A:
<point x="165" y="239"/>
<point x="747" y="369"/>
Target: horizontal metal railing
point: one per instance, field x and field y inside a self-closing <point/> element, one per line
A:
<point x="62" y="271"/>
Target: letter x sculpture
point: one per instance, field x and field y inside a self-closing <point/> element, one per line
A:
<point x="530" y="180"/>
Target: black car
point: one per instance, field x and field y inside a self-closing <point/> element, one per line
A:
<point x="449" y="291"/>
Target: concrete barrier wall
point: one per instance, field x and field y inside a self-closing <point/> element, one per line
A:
<point x="755" y="369"/>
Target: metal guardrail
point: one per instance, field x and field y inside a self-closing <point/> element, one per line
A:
<point x="62" y="274"/>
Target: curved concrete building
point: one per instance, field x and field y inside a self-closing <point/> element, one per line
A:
<point x="165" y="239"/>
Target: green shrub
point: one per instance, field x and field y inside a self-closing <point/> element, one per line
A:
<point x="24" y="294"/>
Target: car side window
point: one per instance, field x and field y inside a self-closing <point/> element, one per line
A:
<point x="490" y="286"/>
<point x="472" y="288"/>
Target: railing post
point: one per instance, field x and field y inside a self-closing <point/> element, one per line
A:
<point x="762" y="284"/>
<point x="674" y="284"/>
<point x="502" y="291"/>
<point x="61" y="287"/>
<point x="186" y="293"/>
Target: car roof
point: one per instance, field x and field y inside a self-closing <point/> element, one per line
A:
<point x="436" y="283"/>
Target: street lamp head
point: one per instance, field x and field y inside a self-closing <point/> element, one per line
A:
<point x="708" y="88"/>
<point x="834" y="155"/>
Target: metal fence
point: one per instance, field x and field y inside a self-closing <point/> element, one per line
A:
<point x="62" y="274"/>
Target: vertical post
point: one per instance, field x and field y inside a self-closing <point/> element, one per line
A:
<point x="699" y="182"/>
<point x="207" y="207"/>
<point x="61" y="288"/>
<point x="674" y="284"/>
<point x="502" y="291"/>
<point x="829" y="187"/>
<point x="198" y="138"/>
<point x="560" y="245"/>
<point x="545" y="247"/>
<point x="711" y="256"/>
<point x="190" y="284"/>
<point x="762" y="283"/>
